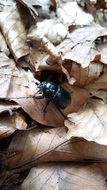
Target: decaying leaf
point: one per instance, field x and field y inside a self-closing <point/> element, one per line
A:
<point x="9" y="124"/>
<point x="66" y="176"/>
<point x="48" y="145"/>
<point x="77" y="45"/>
<point x="71" y="14"/>
<point x="13" y="29"/>
<point x="89" y="122"/>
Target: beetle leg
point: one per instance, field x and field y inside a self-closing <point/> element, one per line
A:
<point x="61" y="112"/>
<point x="38" y="97"/>
<point x="44" y="110"/>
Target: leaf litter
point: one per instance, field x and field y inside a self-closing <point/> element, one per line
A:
<point x="37" y="37"/>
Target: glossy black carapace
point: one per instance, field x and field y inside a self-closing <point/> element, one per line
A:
<point x="55" y="93"/>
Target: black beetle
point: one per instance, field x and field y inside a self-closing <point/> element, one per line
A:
<point x="53" y="92"/>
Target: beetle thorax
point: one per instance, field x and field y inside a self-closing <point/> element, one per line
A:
<point x="48" y="89"/>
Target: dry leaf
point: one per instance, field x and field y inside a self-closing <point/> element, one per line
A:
<point x="9" y="124"/>
<point x="29" y="5"/>
<point x="3" y="45"/>
<point x="36" y="57"/>
<point x="38" y="7"/>
<point x="89" y="122"/>
<point x="71" y="14"/>
<point x="102" y="94"/>
<point x="15" y="84"/>
<point x="66" y="177"/>
<point x="100" y="83"/>
<point x="77" y="45"/>
<point x="85" y="76"/>
<point x="13" y="29"/>
<point x="45" y="145"/>
<point x="102" y="48"/>
<point x="54" y="30"/>
<point x="6" y="106"/>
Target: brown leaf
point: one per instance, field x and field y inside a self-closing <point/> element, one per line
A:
<point x="29" y="4"/>
<point x="102" y="94"/>
<point x="77" y="45"/>
<point x="89" y="122"/>
<point x="27" y="148"/>
<point x="9" y="124"/>
<point x="13" y="29"/>
<point x="16" y="84"/>
<point x="100" y="83"/>
<point x="85" y="76"/>
<point x="66" y="176"/>
<point x="8" y="106"/>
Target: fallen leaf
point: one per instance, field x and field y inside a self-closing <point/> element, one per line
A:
<point x="9" y="124"/>
<point x="48" y="145"/>
<point x="77" y="45"/>
<point x="39" y="7"/>
<point x="100" y="83"/>
<point x="3" y="45"/>
<point x="7" y="106"/>
<point x="89" y="122"/>
<point x="66" y="176"/>
<point x="102" y="94"/>
<point x="71" y="14"/>
<point x="13" y="29"/>
<point x="53" y="29"/>
<point x="16" y="84"/>
<point x="86" y="76"/>
<point x="102" y="48"/>
<point x="30" y="5"/>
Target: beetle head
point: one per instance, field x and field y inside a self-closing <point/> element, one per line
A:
<point x="42" y="86"/>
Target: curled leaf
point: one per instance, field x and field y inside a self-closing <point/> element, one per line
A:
<point x="89" y="122"/>
<point x="9" y="124"/>
<point x="77" y="46"/>
<point x="8" y="106"/>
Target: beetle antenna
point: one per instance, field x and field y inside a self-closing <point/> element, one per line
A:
<point x="22" y="97"/>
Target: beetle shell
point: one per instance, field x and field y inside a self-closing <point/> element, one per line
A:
<point x="62" y="98"/>
<point x="55" y="93"/>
